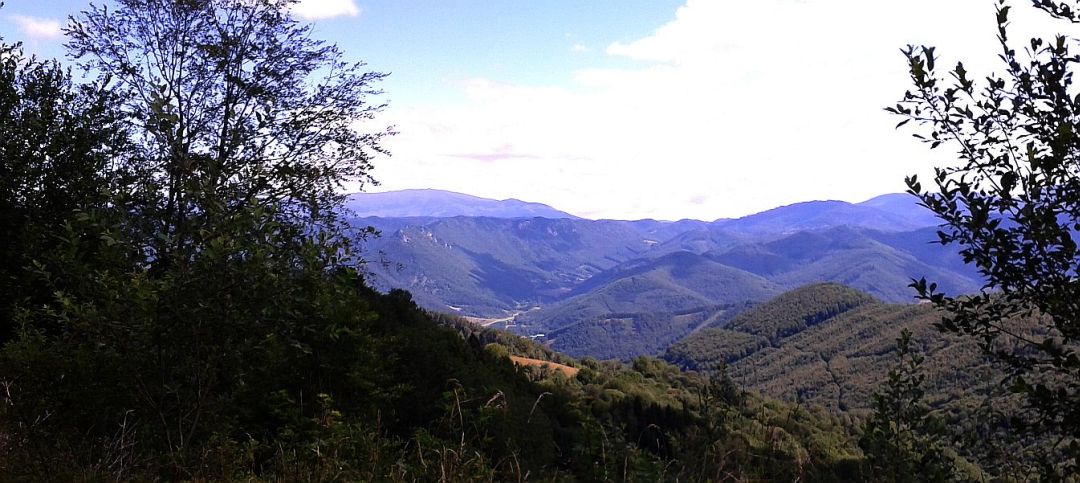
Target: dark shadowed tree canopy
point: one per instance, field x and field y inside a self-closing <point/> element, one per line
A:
<point x="233" y="104"/>
<point x="57" y="145"/>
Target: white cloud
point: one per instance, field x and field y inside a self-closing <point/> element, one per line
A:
<point x="579" y="48"/>
<point x="323" y="9"/>
<point x="730" y="108"/>
<point x="35" y="28"/>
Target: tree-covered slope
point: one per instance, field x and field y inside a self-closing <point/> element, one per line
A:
<point x="627" y="335"/>
<point x="880" y="263"/>
<point x="715" y="429"/>
<point x="488" y="266"/>
<point x="840" y="363"/>
<point x="700" y="239"/>
<point x="766" y="324"/>
<point x="671" y="283"/>
<point x="798" y="309"/>
<point x="701" y="274"/>
<point x="831" y="345"/>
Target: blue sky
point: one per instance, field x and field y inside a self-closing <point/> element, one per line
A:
<point x="429" y="44"/>
<point x="636" y="108"/>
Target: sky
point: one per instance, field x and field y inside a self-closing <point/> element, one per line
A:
<point x="633" y="109"/>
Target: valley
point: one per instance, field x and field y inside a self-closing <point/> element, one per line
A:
<point x="622" y="289"/>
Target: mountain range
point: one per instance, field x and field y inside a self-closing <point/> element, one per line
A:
<point x="617" y="288"/>
<point x="439" y="203"/>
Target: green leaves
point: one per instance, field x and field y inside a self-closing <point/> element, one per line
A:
<point x="232" y="104"/>
<point x="1010" y="206"/>
<point x="902" y="439"/>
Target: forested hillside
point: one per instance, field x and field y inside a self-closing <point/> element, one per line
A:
<point x="627" y="335"/>
<point x="492" y="267"/>
<point x="832" y="346"/>
<point x="546" y="276"/>
<point x="489" y="266"/>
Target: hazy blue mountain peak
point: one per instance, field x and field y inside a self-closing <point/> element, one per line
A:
<point x="891" y="212"/>
<point x="444" y="204"/>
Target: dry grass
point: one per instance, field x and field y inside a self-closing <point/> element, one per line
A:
<point x="525" y="361"/>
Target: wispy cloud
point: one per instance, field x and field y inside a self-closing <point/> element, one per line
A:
<point x="496" y="153"/>
<point x="35" y="28"/>
<point x="579" y="48"/>
<point x="323" y="9"/>
<point x="491" y="157"/>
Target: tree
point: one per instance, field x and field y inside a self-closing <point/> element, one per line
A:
<point x="1012" y="205"/>
<point x="57" y="140"/>
<point x="56" y="143"/>
<point x="247" y="127"/>
<point x="234" y="105"/>
<point x="902" y="439"/>
<point x="185" y="248"/>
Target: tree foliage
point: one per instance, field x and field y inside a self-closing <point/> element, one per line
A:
<point x="57" y="141"/>
<point x="1012" y="205"/>
<point x="174" y="238"/>
<point x="233" y="104"/>
<point x="901" y="438"/>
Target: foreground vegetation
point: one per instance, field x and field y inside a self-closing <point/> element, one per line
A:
<point x="394" y="396"/>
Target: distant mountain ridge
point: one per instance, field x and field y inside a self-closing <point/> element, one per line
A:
<point x="444" y="204"/>
<point x="889" y="212"/>
<point x="613" y="288"/>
